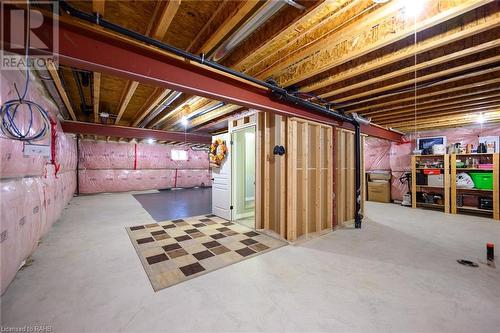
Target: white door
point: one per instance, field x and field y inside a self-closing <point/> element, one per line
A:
<point x="221" y="183"/>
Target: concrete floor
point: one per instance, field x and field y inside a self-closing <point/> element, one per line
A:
<point x="397" y="274"/>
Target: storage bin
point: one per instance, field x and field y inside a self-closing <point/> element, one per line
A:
<point x="432" y="171"/>
<point x="435" y="180"/>
<point x="482" y="180"/>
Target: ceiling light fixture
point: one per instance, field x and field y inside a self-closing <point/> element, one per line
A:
<point x="413" y="7"/>
<point x="480" y="118"/>
<point x="150" y="141"/>
<point x="184" y="121"/>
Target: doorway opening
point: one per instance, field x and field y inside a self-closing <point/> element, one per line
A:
<point x="243" y="166"/>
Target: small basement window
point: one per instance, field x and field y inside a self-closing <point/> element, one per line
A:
<point x="179" y="155"/>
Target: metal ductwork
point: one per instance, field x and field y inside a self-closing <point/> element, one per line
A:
<point x="162" y="106"/>
<point x="258" y="18"/>
<point x="207" y="110"/>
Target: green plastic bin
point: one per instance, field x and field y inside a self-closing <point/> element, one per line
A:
<point x="482" y="180"/>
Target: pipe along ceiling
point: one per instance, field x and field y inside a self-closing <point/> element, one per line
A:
<point x="275" y="90"/>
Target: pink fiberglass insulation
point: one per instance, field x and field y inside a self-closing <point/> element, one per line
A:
<point x="377" y="154"/>
<point x="195" y="160"/>
<point x="400" y="156"/>
<point x="33" y="193"/>
<point x="65" y="152"/>
<point x="191" y="178"/>
<point x="119" y="167"/>
<point x="98" y="181"/>
<point x="13" y="163"/>
<point x="463" y="135"/>
<point x="110" y="155"/>
<point x="154" y="156"/>
<point x="29" y="206"/>
<point x="106" y="155"/>
<point x="398" y="189"/>
<point x="21" y="223"/>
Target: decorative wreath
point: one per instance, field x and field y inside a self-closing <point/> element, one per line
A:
<point x="218" y="150"/>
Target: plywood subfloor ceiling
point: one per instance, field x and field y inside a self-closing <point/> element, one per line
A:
<point x="405" y="67"/>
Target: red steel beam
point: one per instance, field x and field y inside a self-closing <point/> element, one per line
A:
<point x="91" y="48"/>
<point x="132" y="132"/>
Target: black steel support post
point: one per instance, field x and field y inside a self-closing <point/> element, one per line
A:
<point x="357" y="183"/>
<point x="77" y="164"/>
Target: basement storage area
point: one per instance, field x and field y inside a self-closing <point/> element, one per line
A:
<point x="227" y="166"/>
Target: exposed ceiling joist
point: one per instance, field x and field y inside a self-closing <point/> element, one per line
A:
<point x="429" y="97"/>
<point x="166" y="17"/>
<point x="383" y="27"/>
<point x="470" y="117"/>
<point x="411" y="69"/>
<point x="207" y="118"/>
<point x="191" y="108"/>
<point x="229" y="25"/>
<point x="158" y="31"/>
<point x="97" y="93"/>
<point x="443" y="82"/>
<point x="323" y="21"/>
<point x="194" y="46"/>
<point x="444" y="73"/>
<point x="458" y="121"/>
<point x="60" y="89"/>
<point x="410" y="51"/>
<point x="126" y="97"/>
<point x="435" y="104"/>
<point x="151" y="104"/>
<point x="98" y="6"/>
<point x="439" y="112"/>
<point x="185" y="104"/>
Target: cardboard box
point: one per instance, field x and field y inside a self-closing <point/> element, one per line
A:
<point x="374" y="175"/>
<point x="379" y="192"/>
<point x="435" y="180"/>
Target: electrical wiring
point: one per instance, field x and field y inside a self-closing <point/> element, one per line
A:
<point x="12" y="108"/>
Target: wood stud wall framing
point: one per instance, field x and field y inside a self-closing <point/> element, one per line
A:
<point x="344" y="177"/>
<point x="295" y="191"/>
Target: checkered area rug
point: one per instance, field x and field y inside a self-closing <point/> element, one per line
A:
<point x="175" y="251"/>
